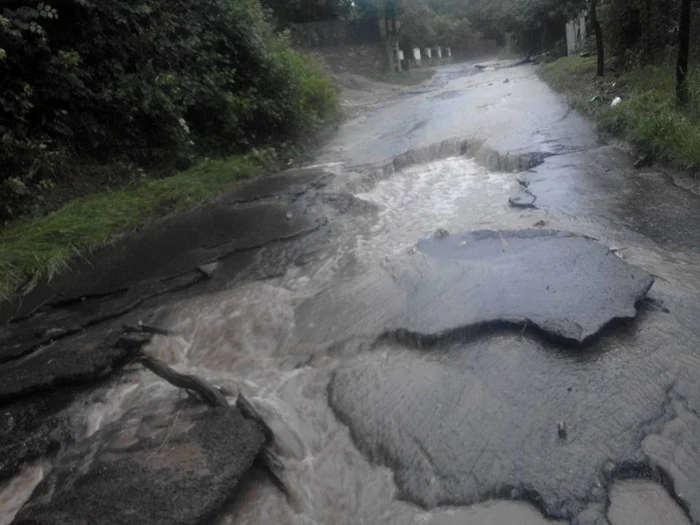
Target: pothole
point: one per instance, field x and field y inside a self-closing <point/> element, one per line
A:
<point x="485" y="155"/>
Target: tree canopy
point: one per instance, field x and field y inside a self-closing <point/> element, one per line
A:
<point x="153" y="83"/>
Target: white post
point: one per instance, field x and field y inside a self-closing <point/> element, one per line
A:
<point x="428" y="53"/>
<point x="438" y="52"/>
<point x="449" y="52"/>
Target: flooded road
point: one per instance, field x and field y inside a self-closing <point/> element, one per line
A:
<point x="486" y="418"/>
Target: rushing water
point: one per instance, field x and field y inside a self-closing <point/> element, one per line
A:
<point x="247" y="339"/>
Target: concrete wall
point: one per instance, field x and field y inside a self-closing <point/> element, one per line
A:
<point x="576" y="35"/>
<point x="351" y="59"/>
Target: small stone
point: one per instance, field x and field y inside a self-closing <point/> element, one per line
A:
<point x="208" y="269"/>
<point x="561" y="430"/>
<point x="441" y="233"/>
<point x="290" y="215"/>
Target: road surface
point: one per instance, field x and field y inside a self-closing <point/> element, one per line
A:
<point x="468" y="309"/>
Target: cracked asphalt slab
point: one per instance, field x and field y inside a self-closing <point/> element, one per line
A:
<point x="421" y="353"/>
<point x="131" y="470"/>
<point x="568" y="286"/>
<point x="471" y="422"/>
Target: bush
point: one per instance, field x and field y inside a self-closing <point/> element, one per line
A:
<point x="650" y="119"/>
<point x="151" y="82"/>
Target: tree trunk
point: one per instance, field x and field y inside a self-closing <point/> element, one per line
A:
<point x="600" y="45"/>
<point x="682" y="67"/>
<point x="543" y="38"/>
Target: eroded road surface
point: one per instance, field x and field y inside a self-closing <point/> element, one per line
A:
<point x="469" y="310"/>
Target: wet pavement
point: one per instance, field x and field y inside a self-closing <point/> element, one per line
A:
<point x="423" y="350"/>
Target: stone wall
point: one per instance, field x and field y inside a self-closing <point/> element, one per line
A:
<point x="351" y="59"/>
<point x="345" y="46"/>
<point x="336" y="33"/>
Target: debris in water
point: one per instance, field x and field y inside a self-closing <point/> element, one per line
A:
<point x="561" y="430"/>
<point x="215" y="397"/>
<point x="524" y="199"/>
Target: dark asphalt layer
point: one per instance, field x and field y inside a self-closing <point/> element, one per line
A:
<point x="570" y="287"/>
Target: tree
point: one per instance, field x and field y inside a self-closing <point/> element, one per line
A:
<point x="682" y="94"/>
<point x="535" y="24"/>
<point x="599" y="44"/>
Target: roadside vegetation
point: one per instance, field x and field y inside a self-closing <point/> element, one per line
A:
<point x="39" y="248"/>
<point x="648" y="116"/>
<point x="109" y="111"/>
<point x="646" y="57"/>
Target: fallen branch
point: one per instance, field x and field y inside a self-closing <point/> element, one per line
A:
<point x="213" y="397"/>
<point x="209" y="393"/>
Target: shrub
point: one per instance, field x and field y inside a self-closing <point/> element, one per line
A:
<point x="152" y="82"/>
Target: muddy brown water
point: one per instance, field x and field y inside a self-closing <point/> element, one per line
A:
<point x="466" y="433"/>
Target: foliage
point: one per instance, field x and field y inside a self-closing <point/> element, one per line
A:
<point x="300" y="11"/>
<point x="152" y="82"/>
<point x="639" y="30"/>
<point x="423" y="26"/>
<point x="535" y="24"/>
<point x="647" y="117"/>
<point x="32" y="250"/>
<point x="423" y="23"/>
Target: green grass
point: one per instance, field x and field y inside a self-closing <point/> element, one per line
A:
<point x="412" y="77"/>
<point x="648" y="116"/>
<point x="36" y="249"/>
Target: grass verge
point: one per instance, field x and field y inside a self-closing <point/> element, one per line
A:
<point x="647" y="117"/>
<point x="35" y="249"/>
<point x="412" y="77"/>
